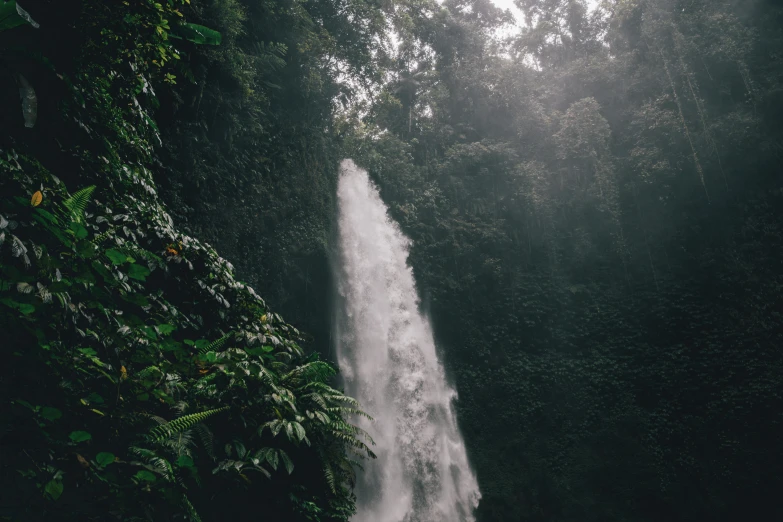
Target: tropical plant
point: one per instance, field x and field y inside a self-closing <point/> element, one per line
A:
<point x="158" y="373"/>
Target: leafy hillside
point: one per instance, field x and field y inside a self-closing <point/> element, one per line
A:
<point x="142" y="380"/>
<point x="250" y="150"/>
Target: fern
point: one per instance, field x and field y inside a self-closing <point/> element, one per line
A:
<point x="154" y="462"/>
<point x="345" y="410"/>
<point x="207" y="440"/>
<point x="159" y="433"/>
<point x="190" y="511"/>
<point x="318" y="399"/>
<point x="312" y="371"/>
<point x="329" y="475"/>
<point x="180" y="443"/>
<point x="215" y="345"/>
<point x="77" y="203"/>
<point x="100" y="238"/>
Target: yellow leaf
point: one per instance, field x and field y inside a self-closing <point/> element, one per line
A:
<point x="36" y="199"/>
<point x="263" y="318"/>
<point x="82" y="461"/>
<point x="123" y="373"/>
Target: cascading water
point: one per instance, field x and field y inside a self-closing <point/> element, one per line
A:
<point x="387" y="356"/>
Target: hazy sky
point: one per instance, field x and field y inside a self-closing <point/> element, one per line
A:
<point x="509" y="4"/>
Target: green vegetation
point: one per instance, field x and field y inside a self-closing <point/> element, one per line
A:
<point x="594" y="201"/>
<point x="250" y="150"/>
<point x="142" y="380"/>
<point x="596" y="225"/>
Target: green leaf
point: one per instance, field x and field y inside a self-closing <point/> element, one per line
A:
<point x="145" y="476"/>
<point x="25" y="404"/>
<point x="149" y="333"/>
<point x="136" y="299"/>
<point x="12" y="15"/>
<point x="117" y="257"/>
<point x="51" y="218"/>
<point x="210" y="357"/>
<point x="196" y="33"/>
<point x="95" y="398"/>
<point x="272" y="458"/>
<point x="51" y="413"/>
<point x="170" y="345"/>
<point x="54" y="488"/>
<point x="289" y="465"/>
<point x="165" y="329"/>
<point x="184" y="461"/>
<point x="138" y="272"/>
<point x="80" y="436"/>
<point x="86" y="249"/>
<point x="300" y="431"/>
<point x="104" y="458"/>
<point x="105" y="274"/>
<point x="25" y="308"/>
<point x="78" y="230"/>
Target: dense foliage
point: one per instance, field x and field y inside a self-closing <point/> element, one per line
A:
<point x="251" y="152"/>
<point x="142" y="380"/>
<point x="594" y="201"/>
<point x="595" y="209"/>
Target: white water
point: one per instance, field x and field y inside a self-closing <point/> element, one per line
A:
<point x="387" y="356"/>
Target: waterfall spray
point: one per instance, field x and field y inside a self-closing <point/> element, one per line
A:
<point x="386" y="352"/>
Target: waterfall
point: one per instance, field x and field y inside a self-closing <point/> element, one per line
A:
<point x="386" y="353"/>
